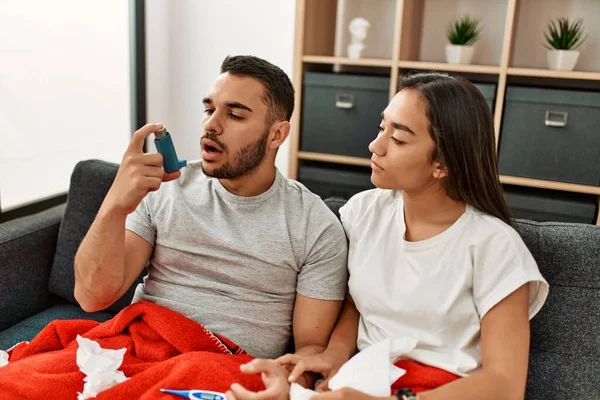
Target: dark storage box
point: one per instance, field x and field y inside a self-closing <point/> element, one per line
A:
<point x="343" y="182"/>
<point x="551" y="134"/>
<point x="489" y="92"/>
<point x="341" y="113"/>
<point x="549" y="205"/>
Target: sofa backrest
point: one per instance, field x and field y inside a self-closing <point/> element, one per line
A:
<point x="90" y="182"/>
<point x="565" y="335"/>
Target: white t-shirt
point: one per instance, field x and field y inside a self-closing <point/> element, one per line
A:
<point x="436" y="290"/>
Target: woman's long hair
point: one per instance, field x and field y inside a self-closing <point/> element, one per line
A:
<point x="461" y="125"/>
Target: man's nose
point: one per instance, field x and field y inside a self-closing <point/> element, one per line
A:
<point x="212" y="124"/>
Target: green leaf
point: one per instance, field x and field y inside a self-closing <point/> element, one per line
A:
<point x="464" y="31"/>
<point x="564" y="34"/>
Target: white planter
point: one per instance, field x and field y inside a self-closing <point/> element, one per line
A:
<point x="456" y="54"/>
<point x="562" y="60"/>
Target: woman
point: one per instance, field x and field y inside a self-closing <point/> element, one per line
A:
<point x="433" y="255"/>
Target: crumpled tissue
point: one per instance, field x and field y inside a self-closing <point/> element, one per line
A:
<point x="371" y="371"/>
<point x="3" y="358"/>
<point x="100" y="367"/>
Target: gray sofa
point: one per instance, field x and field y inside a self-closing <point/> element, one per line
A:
<point x="36" y="284"/>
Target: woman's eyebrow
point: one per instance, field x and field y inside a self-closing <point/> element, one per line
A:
<point x="399" y="126"/>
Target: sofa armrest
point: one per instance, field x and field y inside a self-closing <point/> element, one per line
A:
<point x="27" y="247"/>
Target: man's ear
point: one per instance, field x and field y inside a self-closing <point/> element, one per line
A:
<point x="279" y="132"/>
<point x="440" y="170"/>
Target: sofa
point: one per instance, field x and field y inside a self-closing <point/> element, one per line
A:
<point x="37" y="280"/>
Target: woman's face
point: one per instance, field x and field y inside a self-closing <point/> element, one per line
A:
<point x="402" y="151"/>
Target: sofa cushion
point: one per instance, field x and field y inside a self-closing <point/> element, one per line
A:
<point x="334" y="204"/>
<point x="565" y="344"/>
<point x="90" y="182"/>
<point x="27" y="246"/>
<point x="27" y="329"/>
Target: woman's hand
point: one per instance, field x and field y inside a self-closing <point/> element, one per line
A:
<point x="274" y="376"/>
<point x="327" y="364"/>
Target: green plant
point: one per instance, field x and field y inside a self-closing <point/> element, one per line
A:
<point x="464" y="31"/>
<point x="564" y="34"/>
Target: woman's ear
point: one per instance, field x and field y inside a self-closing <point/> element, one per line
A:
<point x="280" y="130"/>
<point x="440" y="170"/>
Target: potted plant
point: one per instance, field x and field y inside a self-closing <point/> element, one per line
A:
<point x="462" y="35"/>
<point x="563" y="38"/>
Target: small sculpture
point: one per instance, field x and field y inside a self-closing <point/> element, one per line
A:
<point x="358" y="28"/>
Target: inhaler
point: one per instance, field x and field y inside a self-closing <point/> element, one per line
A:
<point x="164" y="145"/>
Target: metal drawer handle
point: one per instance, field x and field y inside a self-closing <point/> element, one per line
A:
<point x="344" y="100"/>
<point x="556" y="118"/>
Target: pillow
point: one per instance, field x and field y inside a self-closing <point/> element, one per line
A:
<point x="90" y="182"/>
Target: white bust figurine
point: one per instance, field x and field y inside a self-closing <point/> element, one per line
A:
<point x="358" y="28"/>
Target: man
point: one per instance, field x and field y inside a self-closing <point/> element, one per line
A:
<point x="229" y="241"/>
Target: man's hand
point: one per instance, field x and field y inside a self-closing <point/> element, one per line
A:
<point x="138" y="174"/>
<point x="274" y="377"/>
<point x="326" y="364"/>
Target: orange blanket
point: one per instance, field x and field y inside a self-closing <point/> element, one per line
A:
<point x="164" y="350"/>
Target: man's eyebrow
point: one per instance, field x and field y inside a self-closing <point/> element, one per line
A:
<point x="237" y="104"/>
<point x="399" y="126"/>
<point x="230" y="104"/>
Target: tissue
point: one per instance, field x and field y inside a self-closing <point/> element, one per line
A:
<point x="3" y="358"/>
<point x="100" y="367"/>
<point x="371" y="371"/>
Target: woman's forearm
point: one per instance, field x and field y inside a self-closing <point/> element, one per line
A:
<point x="488" y="385"/>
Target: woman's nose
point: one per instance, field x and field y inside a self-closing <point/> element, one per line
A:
<point x="377" y="146"/>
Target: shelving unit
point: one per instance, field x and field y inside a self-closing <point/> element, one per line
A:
<point x="546" y="73"/>
<point x="332" y="158"/>
<point x="438" y="66"/>
<point x="367" y="62"/>
<point x="418" y="29"/>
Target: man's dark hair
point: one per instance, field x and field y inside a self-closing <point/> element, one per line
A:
<point x="279" y="91"/>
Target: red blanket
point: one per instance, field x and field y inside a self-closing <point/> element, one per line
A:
<point x="420" y="377"/>
<point x="164" y="350"/>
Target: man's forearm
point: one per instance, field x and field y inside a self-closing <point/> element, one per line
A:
<point x="345" y="334"/>
<point x="342" y="342"/>
<point x="100" y="261"/>
<point x="308" y="379"/>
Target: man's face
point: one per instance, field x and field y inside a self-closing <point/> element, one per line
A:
<point x="235" y="129"/>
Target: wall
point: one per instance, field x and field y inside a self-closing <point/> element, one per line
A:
<point x="64" y="92"/>
<point x="186" y="42"/>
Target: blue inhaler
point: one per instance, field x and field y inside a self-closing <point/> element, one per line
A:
<point x="164" y="145"/>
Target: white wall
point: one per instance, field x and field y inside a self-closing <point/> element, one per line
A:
<point x="186" y="42"/>
<point x="64" y="92"/>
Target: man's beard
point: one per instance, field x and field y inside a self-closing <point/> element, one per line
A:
<point x="245" y="161"/>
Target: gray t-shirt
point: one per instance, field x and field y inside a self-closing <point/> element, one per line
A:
<point x="233" y="263"/>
